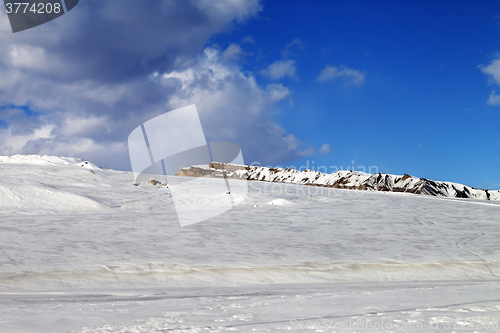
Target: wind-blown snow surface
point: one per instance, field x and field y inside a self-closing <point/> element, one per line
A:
<point x="84" y="250"/>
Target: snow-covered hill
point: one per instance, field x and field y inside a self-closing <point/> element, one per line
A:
<point x="82" y="249"/>
<point x="31" y="184"/>
<point x="345" y="179"/>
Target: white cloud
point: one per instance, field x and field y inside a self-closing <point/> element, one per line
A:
<point x="277" y="91"/>
<point x="221" y="10"/>
<point x="493" y="71"/>
<point x="105" y="84"/>
<point x="349" y="75"/>
<point x="233" y="52"/>
<point x="494" y="99"/>
<point x="26" y="56"/>
<point x="325" y="149"/>
<point x="86" y="146"/>
<point x="11" y="143"/>
<point x="280" y="69"/>
<point x="76" y="126"/>
<point x="130" y="39"/>
<point x="234" y="108"/>
<point x="108" y="94"/>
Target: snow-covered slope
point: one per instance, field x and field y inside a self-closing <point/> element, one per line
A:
<point x="31" y="184"/>
<point x="84" y="250"/>
<point x="345" y="179"/>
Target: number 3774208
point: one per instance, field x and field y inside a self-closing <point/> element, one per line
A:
<point x="35" y="8"/>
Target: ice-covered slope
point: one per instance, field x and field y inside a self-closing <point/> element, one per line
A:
<point x="345" y="179"/>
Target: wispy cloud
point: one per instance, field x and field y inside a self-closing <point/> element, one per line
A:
<point x="280" y="69"/>
<point x="295" y="47"/>
<point x="348" y="75"/>
<point x="248" y="39"/>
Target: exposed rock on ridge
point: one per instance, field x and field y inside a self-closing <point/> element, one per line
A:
<point x="345" y="179"/>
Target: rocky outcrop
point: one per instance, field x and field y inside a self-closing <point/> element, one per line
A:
<point x="345" y="179"/>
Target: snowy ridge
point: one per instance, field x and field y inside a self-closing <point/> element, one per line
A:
<point x="46" y="160"/>
<point x="345" y="179"/>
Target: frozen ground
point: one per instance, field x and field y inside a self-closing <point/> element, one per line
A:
<point x="83" y="250"/>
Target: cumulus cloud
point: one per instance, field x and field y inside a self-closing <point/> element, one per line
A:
<point x="12" y="142"/>
<point x="80" y="90"/>
<point x="278" y="91"/>
<point x="114" y="41"/>
<point x="280" y="69"/>
<point x="234" y="108"/>
<point x="494" y="99"/>
<point x="348" y="75"/>
<point x="493" y="73"/>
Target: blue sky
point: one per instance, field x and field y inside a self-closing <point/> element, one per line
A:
<point x="422" y="107"/>
<point x="403" y="86"/>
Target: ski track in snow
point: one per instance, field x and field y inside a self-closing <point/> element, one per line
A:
<point x="84" y="250"/>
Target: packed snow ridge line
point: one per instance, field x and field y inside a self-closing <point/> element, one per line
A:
<point x="345" y="179"/>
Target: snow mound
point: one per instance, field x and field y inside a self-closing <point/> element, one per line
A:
<point x="280" y="202"/>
